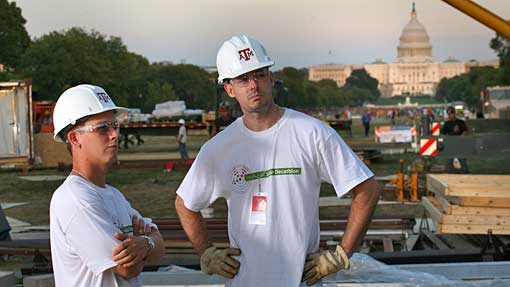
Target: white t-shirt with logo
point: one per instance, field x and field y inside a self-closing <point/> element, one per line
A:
<point x="287" y="162"/>
<point x="83" y="220"/>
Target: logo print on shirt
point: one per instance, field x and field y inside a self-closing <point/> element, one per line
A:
<point x="245" y="54"/>
<point x="238" y="180"/>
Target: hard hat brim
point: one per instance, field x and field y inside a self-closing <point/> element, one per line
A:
<point x="116" y="110"/>
<point x="238" y="73"/>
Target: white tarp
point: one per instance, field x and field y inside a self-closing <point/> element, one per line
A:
<point x="169" y="109"/>
<point x="396" y="136"/>
<point x="14" y="121"/>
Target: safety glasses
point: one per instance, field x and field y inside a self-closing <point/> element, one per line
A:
<point x="257" y="76"/>
<point x="102" y="127"/>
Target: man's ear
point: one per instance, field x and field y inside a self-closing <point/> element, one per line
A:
<point x="229" y="89"/>
<point x="72" y="137"/>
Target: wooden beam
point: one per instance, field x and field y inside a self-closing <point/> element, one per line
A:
<point x="476" y="219"/>
<point x="485" y="211"/>
<point x="480" y="189"/>
<point x="473" y="229"/>
<point x="481" y="201"/>
<point x="436" y="184"/>
<point x="473" y="185"/>
<point x="433" y="211"/>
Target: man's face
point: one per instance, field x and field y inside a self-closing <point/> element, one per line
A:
<point x="253" y="90"/>
<point x="451" y="116"/>
<point x="225" y="113"/>
<point x="97" y="139"/>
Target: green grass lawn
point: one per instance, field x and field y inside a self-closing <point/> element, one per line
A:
<point x="152" y="191"/>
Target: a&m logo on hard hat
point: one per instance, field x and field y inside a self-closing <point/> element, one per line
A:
<point x="245" y="54"/>
<point x="103" y="97"/>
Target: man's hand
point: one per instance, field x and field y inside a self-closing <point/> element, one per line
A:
<point x="139" y="226"/>
<point x="215" y="261"/>
<point x="130" y="251"/>
<point x="323" y="263"/>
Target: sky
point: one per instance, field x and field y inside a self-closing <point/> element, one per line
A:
<point x="295" y="33"/>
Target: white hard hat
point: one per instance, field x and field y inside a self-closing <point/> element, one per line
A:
<point x="181" y="121"/>
<point x="79" y="102"/>
<point x="239" y="55"/>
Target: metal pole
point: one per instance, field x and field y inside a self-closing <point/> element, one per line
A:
<point x="482" y="15"/>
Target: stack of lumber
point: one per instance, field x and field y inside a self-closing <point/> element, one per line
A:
<point x="469" y="203"/>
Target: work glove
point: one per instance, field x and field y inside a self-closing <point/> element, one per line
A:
<point x="323" y="263"/>
<point x="219" y="261"/>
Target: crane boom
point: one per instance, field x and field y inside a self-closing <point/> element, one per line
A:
<point x="482" y="15"/>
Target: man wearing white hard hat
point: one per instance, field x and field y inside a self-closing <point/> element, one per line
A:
<point x="182" y="138"/>
<point x="97" y="238"/>
<point x="269" y="165"/>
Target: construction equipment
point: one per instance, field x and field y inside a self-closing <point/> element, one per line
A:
<point x="482" y="15"/>
<point x="43" y="116"/>
<point x="403" y="185"/>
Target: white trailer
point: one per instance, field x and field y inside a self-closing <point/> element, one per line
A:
<point x="16" y="132"/>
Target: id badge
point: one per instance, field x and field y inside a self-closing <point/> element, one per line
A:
<point x="258" y="208"/>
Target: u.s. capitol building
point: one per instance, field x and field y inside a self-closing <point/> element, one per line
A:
<point x="414" y="74"/>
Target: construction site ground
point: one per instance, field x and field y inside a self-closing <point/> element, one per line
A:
<point x="152" y="190"/>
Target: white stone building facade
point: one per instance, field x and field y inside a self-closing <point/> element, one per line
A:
<point x="413" y="74"/>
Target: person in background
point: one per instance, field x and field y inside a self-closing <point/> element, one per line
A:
<point x="225" y="118"/>
<point x="453" y="126"/>
<point x="182" y="138"/>
<point x="365" y="119"/>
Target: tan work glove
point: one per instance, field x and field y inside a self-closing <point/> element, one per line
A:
<point x="323" y="263"/>
<point x="219" y="261"/>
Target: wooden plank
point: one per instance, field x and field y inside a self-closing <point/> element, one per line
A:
<point x="476" y="219"/>
<point x="434" y="212"/>
<point x="485" y="211"/>
<point x="480" y="201"/>
<point x="473" y="229"/>
<point x="436" y="185"/>
<point x="445" y="204"/>
<point x="469" y="185"/>
<point x="480" y="189"/>
<point x="475" y="178"/>
<point x="468" y="219"/>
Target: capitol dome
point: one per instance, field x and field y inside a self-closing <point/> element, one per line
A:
<point x="414" y="44"/>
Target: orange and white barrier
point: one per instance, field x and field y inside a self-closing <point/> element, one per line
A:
<point x="435" y="129"/>
<point x="428" y="147"/>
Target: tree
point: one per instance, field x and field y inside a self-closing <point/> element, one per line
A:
<point x="64" y="59"/>
<point x="14" y="39"/>
<point x="467" y="87"/>
<point x="293" y="80"/>
<point x="360" y="88"/>
<point x="361" y="79"/>
<point x="190" y="83"/>
<point x="502" y="47"/>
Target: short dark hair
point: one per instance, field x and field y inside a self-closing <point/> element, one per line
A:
<point x="450" y="110"/>
<point x="63" y="133"/>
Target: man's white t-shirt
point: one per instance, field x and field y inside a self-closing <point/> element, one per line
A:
<point x="182" y="133"/>
<point x="83" y="220"/>
<point x="287" y="163"/>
